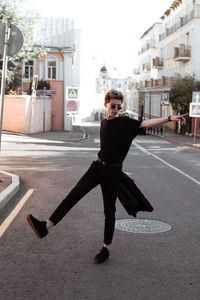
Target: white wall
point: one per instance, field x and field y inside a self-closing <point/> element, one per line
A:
<point x="36" y="113"/>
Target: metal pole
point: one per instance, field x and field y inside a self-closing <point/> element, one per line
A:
<point x="195" y="129"/>
<point x="4" y="72"/>
<point x="44" y="110"/>
<point x="179" y="124"/>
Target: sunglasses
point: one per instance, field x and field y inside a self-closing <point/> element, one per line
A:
<point x="113" y="106"/>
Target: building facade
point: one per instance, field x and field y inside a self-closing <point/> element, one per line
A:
<point x="105" y="82"/>
<point x="169" y="48"/>
<point x="59" y="67"/>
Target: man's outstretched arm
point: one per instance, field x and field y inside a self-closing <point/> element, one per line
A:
<point x="160" y="121"/>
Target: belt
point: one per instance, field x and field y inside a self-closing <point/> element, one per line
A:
<point x="105" y="163"/>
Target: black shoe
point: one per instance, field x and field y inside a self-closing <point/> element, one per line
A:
<point x="102" y="256"/>
<point x="39" y="227"/>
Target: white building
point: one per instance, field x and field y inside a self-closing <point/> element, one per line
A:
<point x="104" y="83"/>
<point x="168" y="49"/>
<point x="77" y="59"/>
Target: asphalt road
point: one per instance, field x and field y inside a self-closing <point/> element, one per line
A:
<point x="141" y="266"/>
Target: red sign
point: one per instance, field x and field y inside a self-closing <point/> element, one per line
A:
<point x="72" y="105"/>
<point x="33" y="95"/>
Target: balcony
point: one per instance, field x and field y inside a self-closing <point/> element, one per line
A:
<point x="183" y="20"/>
<point x="182" y="53"/>
<point x="136" y="71"/>
<point x="157" y="63"/>
<point x="146" y="68"/>
<point x="139" y="85"/>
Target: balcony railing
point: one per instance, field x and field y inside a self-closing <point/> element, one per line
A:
<point x="148" y="46"/>
<point x="146" y="67"/>
<point x="182" y="53"/>
<point x="183" y="20"/>
<point x="136" y="71"/>
<point x="157" y="63"/>
<point x="155" y="83"/>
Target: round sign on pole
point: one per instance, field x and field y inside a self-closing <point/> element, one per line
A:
<point x="15" y="41"/>
<point x="72" y="105"/>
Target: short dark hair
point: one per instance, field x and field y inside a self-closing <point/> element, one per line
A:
<point x="113" y="94"/>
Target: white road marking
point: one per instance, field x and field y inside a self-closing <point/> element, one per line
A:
<point x="128" y="173"/>
<point x="4" y="226"/>
<point x="97" y="141"/>
<point x="177" y="149"/>
<point x="151" y="141"/>
<point x="166" y="163"/>
<point x="154" y="147"/>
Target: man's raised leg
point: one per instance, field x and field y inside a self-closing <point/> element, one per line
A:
<point x="88" y="181"/>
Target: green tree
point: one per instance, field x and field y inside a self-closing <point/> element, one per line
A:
<point x="181" y="96"/>
<point x="26" y="20"/>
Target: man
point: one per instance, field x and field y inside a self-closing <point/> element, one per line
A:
<point x="116" y="135"/>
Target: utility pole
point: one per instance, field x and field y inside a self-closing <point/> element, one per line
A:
<point x="11" y="41"/>
<point x="4" y="72"/>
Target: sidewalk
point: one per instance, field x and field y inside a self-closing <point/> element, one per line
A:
<point x="9" y="186"/>
<point x="179" y="139"/>
<point x="77" y="134"/>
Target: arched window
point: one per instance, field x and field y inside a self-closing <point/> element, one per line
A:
<point x="51" y="68"/>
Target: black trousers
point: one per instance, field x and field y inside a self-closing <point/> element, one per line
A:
<point x="109" y="177"/>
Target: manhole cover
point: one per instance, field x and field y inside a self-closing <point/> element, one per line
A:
<point x="142" y="226"/>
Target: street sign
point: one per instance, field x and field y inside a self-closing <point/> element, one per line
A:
<point x="196" y="97"/>
<point x="15" y="40"/>
<point x="72" y="93"/>
<point x="47" y="92"/>
<point x="72" y="105"/>
<point x="165" y="98"/>
<point x="194" y="109"/>
<point x="195" y="113"/>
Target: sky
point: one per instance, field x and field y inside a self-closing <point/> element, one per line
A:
<point x="111" y="29"/>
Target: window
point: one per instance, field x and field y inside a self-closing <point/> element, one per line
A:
<point x="181" y="21"/>
<point x="51" y="66"/>
<point x="28" y="69"/>
<point x="187" y="39"/>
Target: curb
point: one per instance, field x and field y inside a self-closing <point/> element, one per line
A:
<point x="183" y="143"/>
<point x="11" y="190"/>
<point x="177" y="142"/>
<point x="84" y="135"/>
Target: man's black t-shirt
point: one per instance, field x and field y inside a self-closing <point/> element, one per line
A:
<point x="116" y="136"/>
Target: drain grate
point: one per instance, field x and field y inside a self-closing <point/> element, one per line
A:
<point x="141" y="226"/>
